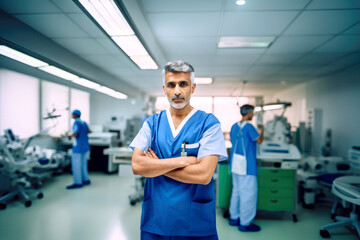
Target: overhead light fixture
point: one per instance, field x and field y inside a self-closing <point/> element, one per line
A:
<point x="240" y="2"/>
<point x="272" y="106"/>
<point x="43" y="66"/>
<point x="203" y="80"/>
<point x="111" y="92"/>
<point x="86" y="83"/>
<point x="110" y="18"/>
<point x="145" y="61"/>
<point x="245" y="42"/>
<point x="21" y="57"/>
<point x="118" y="95"/>
<point x="59" y="72"/>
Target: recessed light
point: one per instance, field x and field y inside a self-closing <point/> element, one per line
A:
<point x="245" y="42"/>
<point x="240" y="2"/>
<point x="203" y="80"/>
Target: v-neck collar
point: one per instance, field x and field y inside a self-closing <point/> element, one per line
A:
<point x="174" y="131"/>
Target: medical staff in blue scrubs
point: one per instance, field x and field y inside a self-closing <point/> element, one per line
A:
<point x="80" y="152"/>
<point x="178" y="150"/>
<point x="244" y="138"/>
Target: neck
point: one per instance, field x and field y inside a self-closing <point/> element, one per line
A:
<point x="181" y="113"/>
<point x="243" y="119"/>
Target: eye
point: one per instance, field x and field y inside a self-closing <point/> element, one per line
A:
<point x="170" y="85"/>
<point x="183" y="84"/>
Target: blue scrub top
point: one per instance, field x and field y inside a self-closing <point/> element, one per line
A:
<point x="81" y="141"/>
<point x="170" y="207"/>
<point x="250" y="135"/>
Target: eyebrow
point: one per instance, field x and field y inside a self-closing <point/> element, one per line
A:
<point x="181" y="81"/>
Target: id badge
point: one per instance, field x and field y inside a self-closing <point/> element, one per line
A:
<point x="183" y="152"/>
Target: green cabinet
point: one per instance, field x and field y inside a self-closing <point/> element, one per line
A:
<point x="224" y="185"/>
<point x="276" y="189"/>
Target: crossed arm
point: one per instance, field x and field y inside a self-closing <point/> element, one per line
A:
<point x="184" y="169"/>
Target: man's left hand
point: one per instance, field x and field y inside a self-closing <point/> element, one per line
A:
<point x="151" y="153"/>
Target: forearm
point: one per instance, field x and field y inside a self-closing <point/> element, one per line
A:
<point x="152" y="167"/>
<point x="200" y="173"/>
<point x="261" y="138"/>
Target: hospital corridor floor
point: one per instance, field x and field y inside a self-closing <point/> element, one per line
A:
<point x="102" y="211"/>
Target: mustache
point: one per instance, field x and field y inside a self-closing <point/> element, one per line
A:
<point x="177" y="97"/>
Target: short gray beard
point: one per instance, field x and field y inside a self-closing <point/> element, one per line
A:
<point x="178" y="105"/>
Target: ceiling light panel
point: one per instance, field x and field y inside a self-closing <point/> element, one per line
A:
<point x="59" y="72"/>
<point x="144" y="62"/>
<point x="86" y="83"/>
<point x="130" y="45"/>
<point x="203" y="80"/>
<point x="21" y="57"/>
<point x="43" y="66"/>
<point x="108" y="15"/>
<point x="245" y="42"/>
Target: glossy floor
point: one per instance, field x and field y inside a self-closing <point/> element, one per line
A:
<point x="102" y="211"/>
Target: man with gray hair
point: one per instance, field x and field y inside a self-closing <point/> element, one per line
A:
<point x="178" y="150"/>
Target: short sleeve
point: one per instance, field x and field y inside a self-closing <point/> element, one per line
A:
<point x="143" y="138"/>
<point x="213" y="143"/>
<point x="76" y="127"/>
<point x="253" y="134"/>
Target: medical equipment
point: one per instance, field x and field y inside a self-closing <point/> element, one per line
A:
<point x="277" y="162"/>
<point x="346" y="188"/>
<point x="133" y="126"/>
<point x="315" y="177"/>
<point x="122" y="156"/>
<point x="98" y="141"/>
<point x="19" y="182"/>
<point x="354" y="158"/>
<point x="26" y="166"/>
<point x="277" y="141"/>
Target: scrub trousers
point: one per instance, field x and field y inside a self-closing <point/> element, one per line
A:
<point x="79" y="166"/>
<point x="243" y="200"/>
<point x="152" y="236"/>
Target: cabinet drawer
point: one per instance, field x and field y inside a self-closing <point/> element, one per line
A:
<point x="276" y="172"/>
<point x="275" y="182"/>
<point x="276" y="192"/>
<point x="275" y="204"/>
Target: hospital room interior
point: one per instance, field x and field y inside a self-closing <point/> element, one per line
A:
<point x="100" y="63"/>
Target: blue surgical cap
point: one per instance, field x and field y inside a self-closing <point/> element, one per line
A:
<point x="76" y="113"/>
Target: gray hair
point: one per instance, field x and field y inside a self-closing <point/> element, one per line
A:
<point x="178" y="66"/>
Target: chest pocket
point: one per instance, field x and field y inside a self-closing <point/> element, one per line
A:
<point x="192" y="149"/>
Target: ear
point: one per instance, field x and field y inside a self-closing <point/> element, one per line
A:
<point x="193" y="88"/>
<point x="164" y="88"/>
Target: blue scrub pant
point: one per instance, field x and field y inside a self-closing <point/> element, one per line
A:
<point x="152" y="236"/>
<point x="79" y="166"/>
<point x="243" y="198"/>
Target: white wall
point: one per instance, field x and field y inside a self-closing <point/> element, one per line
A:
<point x="102" y="108"/>
<point x="19" y="103"/>
<point x="80" y="100"/>
<point x="338" y="96"/>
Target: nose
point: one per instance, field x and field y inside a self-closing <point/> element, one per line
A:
<point x="177" y="90"/>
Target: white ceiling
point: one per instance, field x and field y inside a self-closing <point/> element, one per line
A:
<point x="314" y="38"/>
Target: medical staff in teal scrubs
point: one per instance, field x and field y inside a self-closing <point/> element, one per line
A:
<point x="80" y="152"/>
<point x="178" y="150"/>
